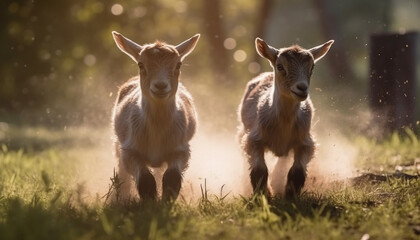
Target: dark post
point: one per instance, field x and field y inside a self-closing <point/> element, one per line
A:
<point x="393" y="79"/>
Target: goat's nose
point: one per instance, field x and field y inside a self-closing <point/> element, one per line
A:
<point x="160" y="85"/>
<point x="302" y="87"/>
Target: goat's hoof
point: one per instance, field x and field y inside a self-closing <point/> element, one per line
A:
<point x="263" y="192"/>
<point x="292" y="194"/>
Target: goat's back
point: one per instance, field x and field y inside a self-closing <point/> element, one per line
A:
<point x="256" y="91"/>
<point x="127" y="88"/>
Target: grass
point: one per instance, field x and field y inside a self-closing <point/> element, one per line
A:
<point x="40" y="199"/>
<point x="398" y="151"/>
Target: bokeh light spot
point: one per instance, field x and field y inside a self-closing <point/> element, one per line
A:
<point x="254" y="67"/>
<point x="229" y="43"/>
<point x="117" y="9"/>
<point x="90" y="60"/>
<point x="139" y="12"/>
<point x="239" y="55"/>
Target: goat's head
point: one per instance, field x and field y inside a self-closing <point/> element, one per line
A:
<point x="159" y="64"/>
<point x="292" y="66"/>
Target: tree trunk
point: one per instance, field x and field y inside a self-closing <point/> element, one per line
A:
<point x="393" y="73"/>
<point x="337" y="57"/>
<point x="261" y="23"/>
<point x="213" y="27"/>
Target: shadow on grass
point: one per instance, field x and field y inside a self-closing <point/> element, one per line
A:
<point x="66" y="220"/>
<point x="307" y="205"/>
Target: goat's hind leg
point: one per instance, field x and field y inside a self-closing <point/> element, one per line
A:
<point x="172" y="178"/>
<point x="297" y="173"/>
<point x="122" y="182"/>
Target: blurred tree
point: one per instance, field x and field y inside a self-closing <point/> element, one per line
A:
<point x="339" y="18"/>
<point x="213" y="26"/>
<point x="50" y="53"/>
<point x="261" y="23"/>
<point x="58" y="59"/>
<point x="337" y="58"/>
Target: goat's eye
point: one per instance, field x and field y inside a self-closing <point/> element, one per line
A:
<point x="280" y="67"/>
<point x="178" y="66"/>
<point x="141" y="66"/>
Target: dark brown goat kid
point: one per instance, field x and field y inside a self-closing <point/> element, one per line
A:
<point x="153" y="118"/>
<point x="276" y="113"/>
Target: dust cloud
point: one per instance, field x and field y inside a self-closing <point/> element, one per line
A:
<point x="96" y="164"/>
<point x="217" y="165"/>
<point x="217" y="159"/>
<point x="333" y="164"/>
<point x="334" y="160"/>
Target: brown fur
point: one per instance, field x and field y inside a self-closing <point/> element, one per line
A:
<point x="276" y="119"/>
<point x="153" y="119"/>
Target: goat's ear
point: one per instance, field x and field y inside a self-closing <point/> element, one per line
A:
<point x="265" y="50"/>
<point x="319" y="51"/>
<point x="187" y="46"/>
<point x="127" y="46"/>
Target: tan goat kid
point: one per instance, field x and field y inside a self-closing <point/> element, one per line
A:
<point x="153" y="118"/>
<point x="276" y="114"/>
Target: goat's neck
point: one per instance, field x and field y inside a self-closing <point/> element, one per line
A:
<point x="283" y="105"/>
<point x="158" y="110"/>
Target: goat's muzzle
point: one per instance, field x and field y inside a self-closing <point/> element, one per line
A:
<point x="300" y="91"/>
<point x="160" y="90"/>
<point x="300" y="95"/>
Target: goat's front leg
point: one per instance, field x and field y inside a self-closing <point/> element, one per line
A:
<point x="172" y="178"/>
<point x="146" y="184"/>
<point x="259" y="171"/>
<point x="134" y="164"/>
<point x="297" y="173"/>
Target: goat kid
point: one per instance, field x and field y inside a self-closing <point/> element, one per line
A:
<point x="153" y="118"/>
<point x="276" y="114"/>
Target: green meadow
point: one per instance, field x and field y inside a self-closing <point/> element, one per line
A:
<point x="41" y="198"/>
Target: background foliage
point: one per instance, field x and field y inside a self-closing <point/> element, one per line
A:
<point x="58" y="62"/>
